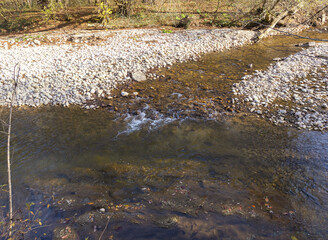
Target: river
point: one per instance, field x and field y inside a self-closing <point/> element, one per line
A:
<point x="172" y="163"/>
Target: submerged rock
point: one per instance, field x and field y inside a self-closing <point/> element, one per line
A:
<point x="100" y="219"/>
<point x="65" y="232"/>
<point x="166" y="222"/>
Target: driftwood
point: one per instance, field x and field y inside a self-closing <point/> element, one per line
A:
<point x="277" y="20"/>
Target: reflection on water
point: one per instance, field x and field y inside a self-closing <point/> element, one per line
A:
<point x="183" y="180"/>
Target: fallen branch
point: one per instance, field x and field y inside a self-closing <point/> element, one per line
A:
<point x="277" y="20"/>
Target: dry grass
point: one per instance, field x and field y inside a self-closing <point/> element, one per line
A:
<point x="16" y="17"/>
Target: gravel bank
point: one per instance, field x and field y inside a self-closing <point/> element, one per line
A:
<point x="293" y="91"/>
<point x="74" y="69"/>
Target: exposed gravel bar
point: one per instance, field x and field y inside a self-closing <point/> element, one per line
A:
<point x="73" y="69"/>
<point x="293" y="91"/>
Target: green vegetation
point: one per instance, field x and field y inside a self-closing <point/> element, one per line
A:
<point x="104" y="13"/>
<point x="167" y="31"/>
<point x="51" y="9"/>
<point x="36" y="15"/>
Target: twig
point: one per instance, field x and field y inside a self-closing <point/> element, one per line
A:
<point x="309" y="19"/>
<point x="290" y="34"/>
<point x="277" y="19"/>
<point x="109" y="217"/>
<point x="37" y="227"/>
<point x="16" y="74"/>
<point x="3" y="122"/>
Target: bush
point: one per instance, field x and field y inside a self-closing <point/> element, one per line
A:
<point x="125" y="7"/>
<point x="49" y="11"/>
<point x="104" y="13"/>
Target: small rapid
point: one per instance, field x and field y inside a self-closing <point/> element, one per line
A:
<point x="145" y="119"/>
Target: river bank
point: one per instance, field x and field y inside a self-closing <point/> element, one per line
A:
<point x="293" y="91"/>
<point x="79" y="68"/>
<point x="84" y="69"/>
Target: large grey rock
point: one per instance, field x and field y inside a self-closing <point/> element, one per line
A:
<point x="138" y="76"/>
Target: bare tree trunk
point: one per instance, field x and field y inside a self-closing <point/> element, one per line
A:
<point x="215" y="15"/>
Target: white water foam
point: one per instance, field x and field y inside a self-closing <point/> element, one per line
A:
<point x="146" y="118"/>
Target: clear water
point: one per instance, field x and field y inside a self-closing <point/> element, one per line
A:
<point x="166" y="177"/>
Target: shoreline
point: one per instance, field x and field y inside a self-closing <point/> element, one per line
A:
<point x="293" y="91"/>
<point x="80" y="69"/>
<point x="84" y="67"/>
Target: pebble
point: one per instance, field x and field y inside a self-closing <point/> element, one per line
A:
<point x="68" y="72"/>
<point x="124" y="94"/>
<point x="300" y="81"/>
<point x="282" y="111"/>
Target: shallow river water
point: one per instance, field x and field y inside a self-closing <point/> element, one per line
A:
<point x="79" y="174"/>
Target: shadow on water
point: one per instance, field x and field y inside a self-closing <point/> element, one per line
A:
<point x="170" y="178"/>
